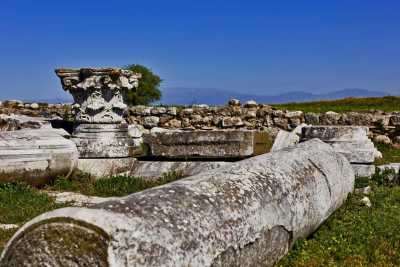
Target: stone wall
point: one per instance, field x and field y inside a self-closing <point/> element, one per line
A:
<point x="232" y="116"/>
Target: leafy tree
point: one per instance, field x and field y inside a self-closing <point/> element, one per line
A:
<point x="149" y="86"/>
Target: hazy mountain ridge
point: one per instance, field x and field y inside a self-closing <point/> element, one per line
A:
<point x="212" y="96"/>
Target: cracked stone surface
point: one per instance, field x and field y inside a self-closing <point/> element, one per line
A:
<point x="243" y="214"/>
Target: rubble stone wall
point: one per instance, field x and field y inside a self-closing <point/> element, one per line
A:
<point x="233" y="116"/>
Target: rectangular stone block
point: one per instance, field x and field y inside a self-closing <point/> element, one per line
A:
<point x="335" y="133"/>
<point x="350" y="141"/>
<point x="35" y="155"/>
<point x="363" y="170"/>
<point x="207" y="144"/>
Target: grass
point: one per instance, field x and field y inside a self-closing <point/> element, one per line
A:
<point x="20" y="202"/>
<point x="389" y="154"/>
<point x="114" y="186"/>
<point x="387" y="103"/>
<point x="356" y="235"/>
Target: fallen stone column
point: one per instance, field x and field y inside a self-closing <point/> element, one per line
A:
<point x="35" y="156"/>
<point x="247" y="213"/>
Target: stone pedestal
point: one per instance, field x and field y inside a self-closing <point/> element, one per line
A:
<point x="100" y="101"/>
<point x="103" y="141"/>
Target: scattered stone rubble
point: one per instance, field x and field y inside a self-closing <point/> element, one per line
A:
<point x="248" y="213"/>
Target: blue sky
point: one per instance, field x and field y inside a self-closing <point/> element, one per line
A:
<point x="264" y="47"/>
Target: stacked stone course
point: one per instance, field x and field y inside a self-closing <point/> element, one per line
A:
<point x="233" y="116"/>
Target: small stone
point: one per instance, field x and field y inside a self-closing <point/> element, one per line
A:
<point x="228" y="122"/>
<point x="234" y="102"/>
<point x="395" y="120"/>
<point x="365" y="190"/>
<point x="171" y="111"/>
<point x="251" y="114"/>
<point x="294" y="114"/>
<point x="201" y="106"/>
<point x="174" y="123"/>
<point x="158" y="110"/>
<point x="159" y="130"/>
<point x="13" y="102"/>
<point x="151" y="121"/>
<point x="250" y="104"/>
<point x="187" y="111"/>
<point x="8" y="226"/>
<point x="366" y="202"/>
<point x="137" y="142"/>
<point x="34" y="106"/>
<point x="135" y="131"/>
<point x="330" y="118"/>
<point x="383" y="139"/>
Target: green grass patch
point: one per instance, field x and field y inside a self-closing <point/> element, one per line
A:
<point x="389" y="154"/>
<point x="107" y="187"/>
<point x="356" y="235"/>
<point x="18" y="204"/>
<point x="387" y="103"/>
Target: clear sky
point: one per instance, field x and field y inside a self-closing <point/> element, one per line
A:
<point x="264" y="47"/>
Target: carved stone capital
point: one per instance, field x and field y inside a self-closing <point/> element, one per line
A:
<point x="99" y="94"/>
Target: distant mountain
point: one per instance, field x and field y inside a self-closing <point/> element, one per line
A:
<point x="212" y="96"/>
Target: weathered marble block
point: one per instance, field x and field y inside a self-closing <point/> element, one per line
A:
<point x="207" y="144"/>
<point x="248" y="213"/>
<point x="104" y="141"/>
<point x="35" y="156"/>
<point x="100" y="101"/>
<point x="350" y="141"/>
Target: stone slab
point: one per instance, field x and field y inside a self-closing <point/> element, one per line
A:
<point x="156" y="169"/>
<point x="395" y="167"/>
<point x="248" y="213"/>
<point x="363" y="170"/>
<point x="207" y="144"/>
<point x="351" y="141"/>
<point x="36" y="156"/>
<point x="15" y="122"/>
<point x="106" y="167"/>
<point x="335" y="133"/>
